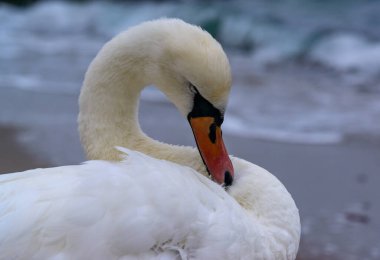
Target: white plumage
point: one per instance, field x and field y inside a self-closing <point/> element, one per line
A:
<point x="143" y="207"/>
<point x="114" y="210"/>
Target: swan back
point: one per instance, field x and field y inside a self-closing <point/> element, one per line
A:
<point x="271" y="209"/>
<point x="65" y="208"/>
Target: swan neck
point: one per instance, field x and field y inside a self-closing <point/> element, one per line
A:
<point x="109" y="103"/>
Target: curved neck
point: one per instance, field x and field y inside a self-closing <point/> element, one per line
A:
<point x="108" y="116"/>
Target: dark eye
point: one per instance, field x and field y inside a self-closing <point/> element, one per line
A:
<point x="192" y="88"/>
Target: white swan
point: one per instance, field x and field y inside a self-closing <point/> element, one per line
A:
<point x="143" y="207"/>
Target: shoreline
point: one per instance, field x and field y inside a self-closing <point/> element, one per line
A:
<point x="14" y="157"/>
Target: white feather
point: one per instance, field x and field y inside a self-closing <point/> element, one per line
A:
<point x="140" y="208"/>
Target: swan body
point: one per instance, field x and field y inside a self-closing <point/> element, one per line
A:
<point x="74" y="212"/>
<point x="152" y="200"/>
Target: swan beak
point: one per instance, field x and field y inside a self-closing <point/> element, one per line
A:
<point x="208" y="136"/>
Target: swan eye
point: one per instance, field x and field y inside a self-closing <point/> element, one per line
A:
<point x="193" y="89"/>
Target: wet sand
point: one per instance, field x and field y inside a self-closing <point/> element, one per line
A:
<point x="334" y="186"/>
<point x="14" y="157"/>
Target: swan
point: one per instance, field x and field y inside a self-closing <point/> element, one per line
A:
<point x="145" y="199"/>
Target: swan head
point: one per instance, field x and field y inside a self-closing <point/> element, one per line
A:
<point x="185" y="62"/>
<point x="177" y="57"/>
<point x="194" y="73"/>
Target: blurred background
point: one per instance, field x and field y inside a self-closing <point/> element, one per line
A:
<point x="305" y="102"/>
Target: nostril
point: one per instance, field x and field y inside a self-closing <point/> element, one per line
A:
<point x="228" y="178"/>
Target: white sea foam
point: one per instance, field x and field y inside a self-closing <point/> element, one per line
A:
<point x="235" y="125"/>
<point x="355" y="56"/>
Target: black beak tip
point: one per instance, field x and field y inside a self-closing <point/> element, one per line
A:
<point x="228" y="179"/>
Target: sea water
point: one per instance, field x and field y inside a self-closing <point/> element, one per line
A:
<point x="305" y="72"/>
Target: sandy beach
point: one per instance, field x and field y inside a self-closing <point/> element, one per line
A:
<point x="334" y="186"/>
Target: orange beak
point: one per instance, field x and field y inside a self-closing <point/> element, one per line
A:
<point x="208" y="137"/>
